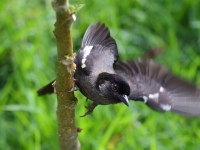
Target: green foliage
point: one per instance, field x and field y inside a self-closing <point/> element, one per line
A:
<point x="28" y="61"/>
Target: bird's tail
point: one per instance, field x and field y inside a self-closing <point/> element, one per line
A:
<point x="47" y="89"/>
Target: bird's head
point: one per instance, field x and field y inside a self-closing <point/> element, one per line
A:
<point x="113" y="87"/>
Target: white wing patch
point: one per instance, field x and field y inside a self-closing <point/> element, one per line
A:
<point x="166" y="107"/>
<point x="155" y="95"/>
<point x="145" y="99"/>
<point x="86" y="51"/>
<point x="161" y="89"/>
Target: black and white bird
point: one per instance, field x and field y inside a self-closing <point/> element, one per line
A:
<point x="103" y="80"/>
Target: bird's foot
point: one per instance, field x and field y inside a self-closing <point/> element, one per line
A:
<point x="54" y="86"/>
<point x="74" y="87"/>
<point x="90" y="109"/>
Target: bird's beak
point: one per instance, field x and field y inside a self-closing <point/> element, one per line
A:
<point x="124" y="99"/>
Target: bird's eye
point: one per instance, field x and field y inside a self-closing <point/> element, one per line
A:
<point x="114" y="87"/>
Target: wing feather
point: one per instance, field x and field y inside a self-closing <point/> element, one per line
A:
<point x="158" y="88"/>
<point x="98" y="52"/>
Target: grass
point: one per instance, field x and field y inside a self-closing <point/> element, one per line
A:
<point x="28" y="61"/>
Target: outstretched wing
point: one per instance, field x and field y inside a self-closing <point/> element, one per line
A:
<point x="98" y="51"/>
<point x="158" y="88"/>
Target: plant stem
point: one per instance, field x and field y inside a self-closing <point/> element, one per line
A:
<point x="67" y="131"/>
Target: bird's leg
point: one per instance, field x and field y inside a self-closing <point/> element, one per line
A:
<point x="74" y="87"/>
<point x="54" y="85"/>
<point x="90" y="109"/>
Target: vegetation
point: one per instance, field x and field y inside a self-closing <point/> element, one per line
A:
<point x="28" y="60"/>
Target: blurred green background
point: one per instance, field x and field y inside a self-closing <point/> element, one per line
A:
<point x="28" y="61"/>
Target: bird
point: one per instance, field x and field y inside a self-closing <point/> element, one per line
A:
<point x="104" y="80"/>
<point x="94" y="75"/>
